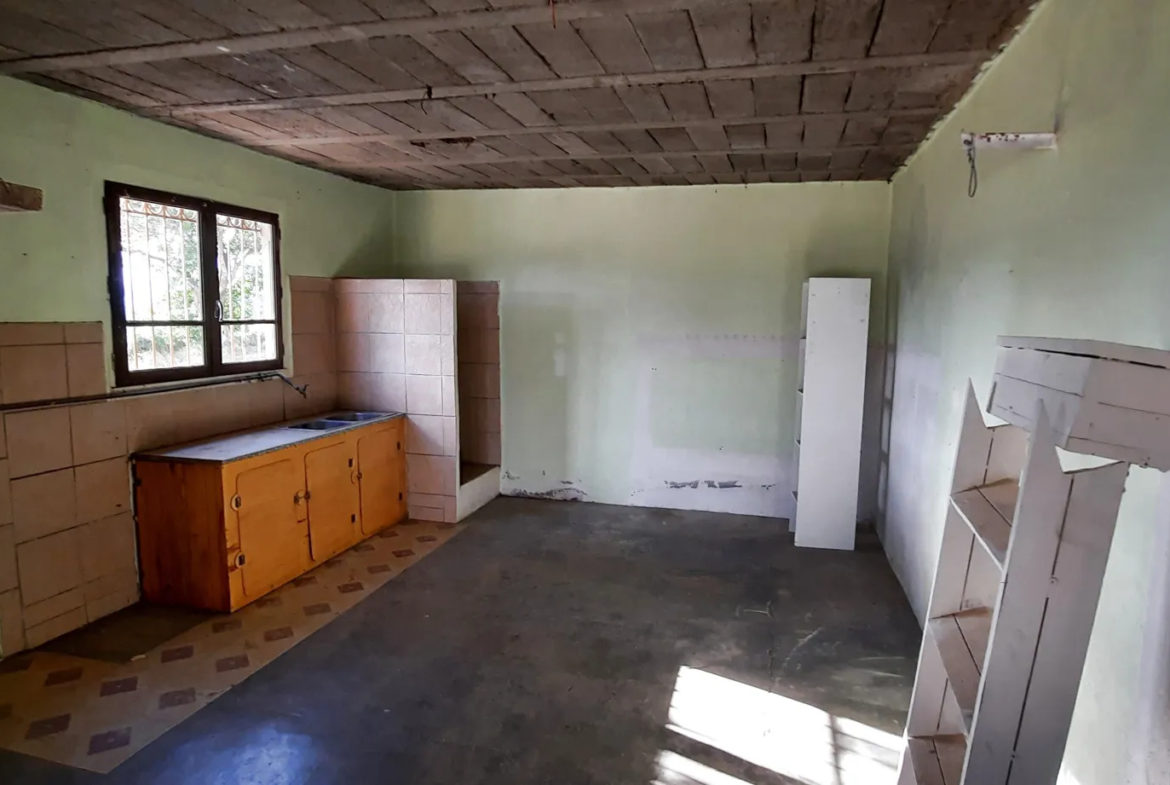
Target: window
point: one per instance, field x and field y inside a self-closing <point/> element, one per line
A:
<point x="194" y="287"/>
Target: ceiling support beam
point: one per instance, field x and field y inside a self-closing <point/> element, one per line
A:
<point x="573" y="180"/>
<point x="523" y="159"/>
<point x="808" y="68"/>
<point x="488" y="133"/>
<point x="295" y="39"/>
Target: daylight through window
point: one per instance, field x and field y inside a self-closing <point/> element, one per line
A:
<point x="194" y="286"/>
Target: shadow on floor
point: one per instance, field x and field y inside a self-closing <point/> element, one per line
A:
<point x="129" y="633"/>
<point x="574" y="643"/>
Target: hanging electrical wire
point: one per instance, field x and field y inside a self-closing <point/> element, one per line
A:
<point x="973" y="178"/>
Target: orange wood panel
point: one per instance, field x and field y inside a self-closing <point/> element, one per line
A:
<point x="272" y="549"/>
<point x="331" y="477"/>
<point x="181" y="548"/>
<point x="381" y="479"/>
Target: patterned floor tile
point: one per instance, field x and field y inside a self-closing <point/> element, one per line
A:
<point x="94" y="715"/>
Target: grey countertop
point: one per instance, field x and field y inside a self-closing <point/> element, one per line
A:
<point x="237" y="446"/>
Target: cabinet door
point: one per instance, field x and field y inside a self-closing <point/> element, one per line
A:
<point x="272" y="545"/>
<point x="381" y="480"/>
<point x="331" y="477"/>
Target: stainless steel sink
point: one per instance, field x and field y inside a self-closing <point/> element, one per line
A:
<point x="318" y="425"/>
<point x="356" y="416"/>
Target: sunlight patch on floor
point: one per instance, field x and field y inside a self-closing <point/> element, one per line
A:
<point x="785" y="736"/>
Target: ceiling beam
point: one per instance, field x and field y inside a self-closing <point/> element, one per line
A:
<point x="487" y="133"/>
<point x="809" y="68"/>
<point x="295" y="39"/>
<point x="523" y="159"/>
<point x="572" y="180"/>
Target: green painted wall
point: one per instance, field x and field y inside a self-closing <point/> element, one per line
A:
<point x="649" y="335"/>
<point x="1070" y="243"/>
<point x="53" y="264"/>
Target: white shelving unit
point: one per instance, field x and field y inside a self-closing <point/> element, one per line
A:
<point x="1023" y="555"/>
<point x="834" y="319"/>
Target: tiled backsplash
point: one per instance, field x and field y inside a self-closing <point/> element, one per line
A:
<point x="478" y="306"/>
<point x="67" y="536"/>
<point x="396" y="352"/>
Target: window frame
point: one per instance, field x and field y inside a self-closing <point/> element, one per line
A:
<point x="214" y="366"/>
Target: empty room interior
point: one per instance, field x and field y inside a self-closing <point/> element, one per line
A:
<point x="614" y="392"/>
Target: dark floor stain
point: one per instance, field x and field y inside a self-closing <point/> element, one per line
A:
<point x="542" y="645"/>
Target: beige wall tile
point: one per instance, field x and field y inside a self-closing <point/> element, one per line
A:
<point x="5" y="494"/>
<point x="424" y="355"/>
<point x="447" y="314"/>
<point x="41" y="612"/>
<point x="309" y="283"/>
<point x="355" y="391"/>
<point x="31" y="333"/>
<point x="447" y="354"/>
<point x="492" y="452"/>
<point x="450" y="402"/>
<point x="417" y="512"/>
<point x="55" y="628"/>
<point x="388" y="392"/>
<point x="310" y="312"/>
<point x="321" y="396"/>
<point x="451" y="436"/>
<point x="107" y="546"/>
<point x="385" y="285"/>
<point x="314" y="353"/>
<point x="450" y="509"/>
<point x="49" y="566"/>
<point x="103" y="489"/>
<point x="84" y="332"/>
<point x="38" y="441"/>
<point x="427" y="500"/>
<point x="423" y="314"/>
<point x="489" y="342"/>
<point x="424" y="434"/>
<point x="447" y="286"/>
<point x="424" y="394"/>
<point x="387" y="353"/>
<point x="8" y="575"/>
<point x="353" y="352"/>
<point x="11" y="623"/>
<point x="472" y="381"/>
<point x="99" y="431"/>
<point x="422" y="286"/>
<point x="266" y="402"/>
<point x="110" y="594"/>
<point x="43" y="504"/>
<point x="33" y="373"/>
<point x="149" y="423"/>
<point x="387" y="313"/>
<point x="352" y="312"/>
<point x="87" y="369"/>
<point x="352" y="285"/>
<point x="433" y="474"/>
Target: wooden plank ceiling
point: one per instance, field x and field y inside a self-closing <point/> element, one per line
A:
<point x="528" y="93"/>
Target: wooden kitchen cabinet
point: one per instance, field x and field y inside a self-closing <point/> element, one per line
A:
<point x="224" y="521"/>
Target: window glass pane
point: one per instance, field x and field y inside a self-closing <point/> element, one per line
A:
<point x="161" y="276"/>
<point x="248" y="343"/>
<point x="247" y="288"/>
<point x="151" y="348"/>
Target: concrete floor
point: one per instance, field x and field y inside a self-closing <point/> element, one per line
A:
<point x="543" y="645"/>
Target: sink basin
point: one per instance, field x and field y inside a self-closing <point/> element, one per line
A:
<point x="317" y="425"/>
<point x="356" y="416"/>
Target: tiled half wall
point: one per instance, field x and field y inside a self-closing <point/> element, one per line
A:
<point x="396" y="352"/>
<point x="478" y="348"/>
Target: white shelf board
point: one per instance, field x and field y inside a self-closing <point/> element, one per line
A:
<point x="984" y="511"/>
<point x="962" y="659"/>
<point x="1141" y="355"/>
<point x="937" y="760"/>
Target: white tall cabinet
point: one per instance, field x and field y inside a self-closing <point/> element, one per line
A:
<point x="830" y="400"/>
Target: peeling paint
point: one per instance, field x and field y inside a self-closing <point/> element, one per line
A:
<point x="509" y="476"/>
<point x="557" y="494"/>
<point x="684" y="484"/>
<point x="723" y="484"/>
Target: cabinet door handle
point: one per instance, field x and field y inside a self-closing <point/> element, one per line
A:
<point x="237" y="502"/>
<point x="300" y="496"/>
<point x="353" y="477"/>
